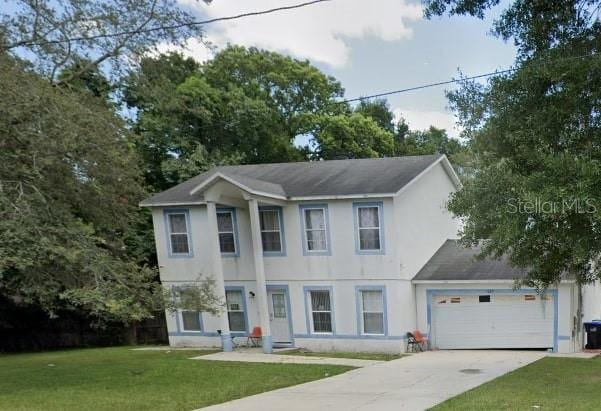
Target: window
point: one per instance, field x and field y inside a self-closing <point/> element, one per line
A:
<point x="368" y="223"/>
<point x="372" y="311"/>
<point x="321" y="311"/>
<point x="226" y="227"/>
<point x="530" y="297"/>
<point x="271" y="230"/>
<point x="177" y="226"/>
<point x="315" y="228"/>
<point x="455" y="300"/>
<point x="235" y="310"/>
<point x="484" y="298"/>
<point x="191" y="321"/>
<point x="279" y="305"/>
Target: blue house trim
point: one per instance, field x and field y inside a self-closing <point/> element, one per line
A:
<point x="286" y="289"/>
<point x="281" y="253"/>
<point x="244" y="307"/>
<point x="232" y="210"/>
<point x="186" y="212"/>
<point x="307" y="297"/>
<point x="352" y="337"/>
<point x="358" y="305"/>
<point x="360" y="204"/>
<point x="554" y="292"/>
<point x="324" y="207"/>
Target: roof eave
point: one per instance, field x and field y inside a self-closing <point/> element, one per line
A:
<point x="175" y="204"/>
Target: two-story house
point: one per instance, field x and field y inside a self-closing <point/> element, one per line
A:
<point x="344" y="255"/>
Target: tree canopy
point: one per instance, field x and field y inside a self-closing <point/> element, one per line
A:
<point x="536" y="137"/>
<point x="69" y="188"/>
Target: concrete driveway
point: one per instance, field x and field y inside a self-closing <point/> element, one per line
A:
<point x="411" y="383"/>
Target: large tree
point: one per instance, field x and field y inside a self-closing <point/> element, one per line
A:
<point x="536" y="133"/>
<point x="69" y="188"/>
<point x="245" y="105"/>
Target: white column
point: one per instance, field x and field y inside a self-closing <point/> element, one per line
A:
<point x="255" y="228"/>
<point x="217" y="274"/>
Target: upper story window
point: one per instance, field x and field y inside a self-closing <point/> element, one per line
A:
<point x="314" y="219"/>
<point x="226" y="226"/>
<point x="271" y="230"/>
<point x="178" y="232"/>
<point x="368" y="219"/>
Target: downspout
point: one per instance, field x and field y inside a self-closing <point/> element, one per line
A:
<point x="579" y="317"/>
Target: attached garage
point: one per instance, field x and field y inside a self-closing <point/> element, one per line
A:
<point x="469" y="303"/>
<point x="462" y="319"/>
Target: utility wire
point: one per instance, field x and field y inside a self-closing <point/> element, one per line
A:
<point x="166" y="27"/>
<point x="423" y="86"/>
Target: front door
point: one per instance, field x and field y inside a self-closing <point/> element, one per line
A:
<point x="278" y="316"/>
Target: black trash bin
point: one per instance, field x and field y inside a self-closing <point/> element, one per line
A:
<point x="593" y="334"/>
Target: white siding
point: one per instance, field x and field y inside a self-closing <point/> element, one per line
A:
<point x="415" y="224"/>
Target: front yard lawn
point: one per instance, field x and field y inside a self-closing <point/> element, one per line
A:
<point x="355" y="355"/>
<point x="548" y="384"/>
<point x="121" y="379"/>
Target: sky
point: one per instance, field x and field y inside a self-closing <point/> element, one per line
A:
<point x="370" y="46"/>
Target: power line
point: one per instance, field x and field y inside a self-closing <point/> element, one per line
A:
<point x="459" y="80"/>
<point x="423" y="86"/>
<point x="166" y="27"/>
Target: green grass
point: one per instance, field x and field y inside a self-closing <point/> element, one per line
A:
<point x="121" y="379"/>
<point x="548" y="384"/>
<point x="354" y="355"/>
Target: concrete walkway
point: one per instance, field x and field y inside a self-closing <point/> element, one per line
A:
<point x="257" y="356"/>
<point x="412" y="383"/>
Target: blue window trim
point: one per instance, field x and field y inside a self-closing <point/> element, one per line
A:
<point x="244" y="306"/>
<point x="358" y="301"/>
<point x="361" y="204"/>
<point x="280" y="211"/>
<point x="324" y="207"/>
<point x="231" y="210"/>
<point x="186" y="212"/>
<point x="286" y="289"/>
<point x="430" y="293"/>
<point x="179" y="321"/>
<point x="308" y="311"/>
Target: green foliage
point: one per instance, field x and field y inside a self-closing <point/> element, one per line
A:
<point x="244" y="106"/>
<point x="199" y="296"/>
<point x="379" y="111"/>
<point x="69" y="187"/>
<point x="351" y="136"/>
<point x="536" y="138"/>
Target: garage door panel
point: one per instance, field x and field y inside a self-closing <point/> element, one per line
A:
<point x="507" y="322"/>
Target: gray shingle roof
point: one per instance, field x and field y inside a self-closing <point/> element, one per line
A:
<point x="455" y="262"/>
<point x="307" y="179"/>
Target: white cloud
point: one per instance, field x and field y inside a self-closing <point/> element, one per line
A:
<point x="316" y="32"/>
<point x="422" y="120"/>
<point x="192" y="48"/>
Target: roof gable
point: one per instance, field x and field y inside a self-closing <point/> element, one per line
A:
<point x="316" y="179"/>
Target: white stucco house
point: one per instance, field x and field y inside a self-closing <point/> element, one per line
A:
<point x="347" y="255"/>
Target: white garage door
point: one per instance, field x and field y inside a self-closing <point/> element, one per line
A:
<point x="492" y="321"/>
